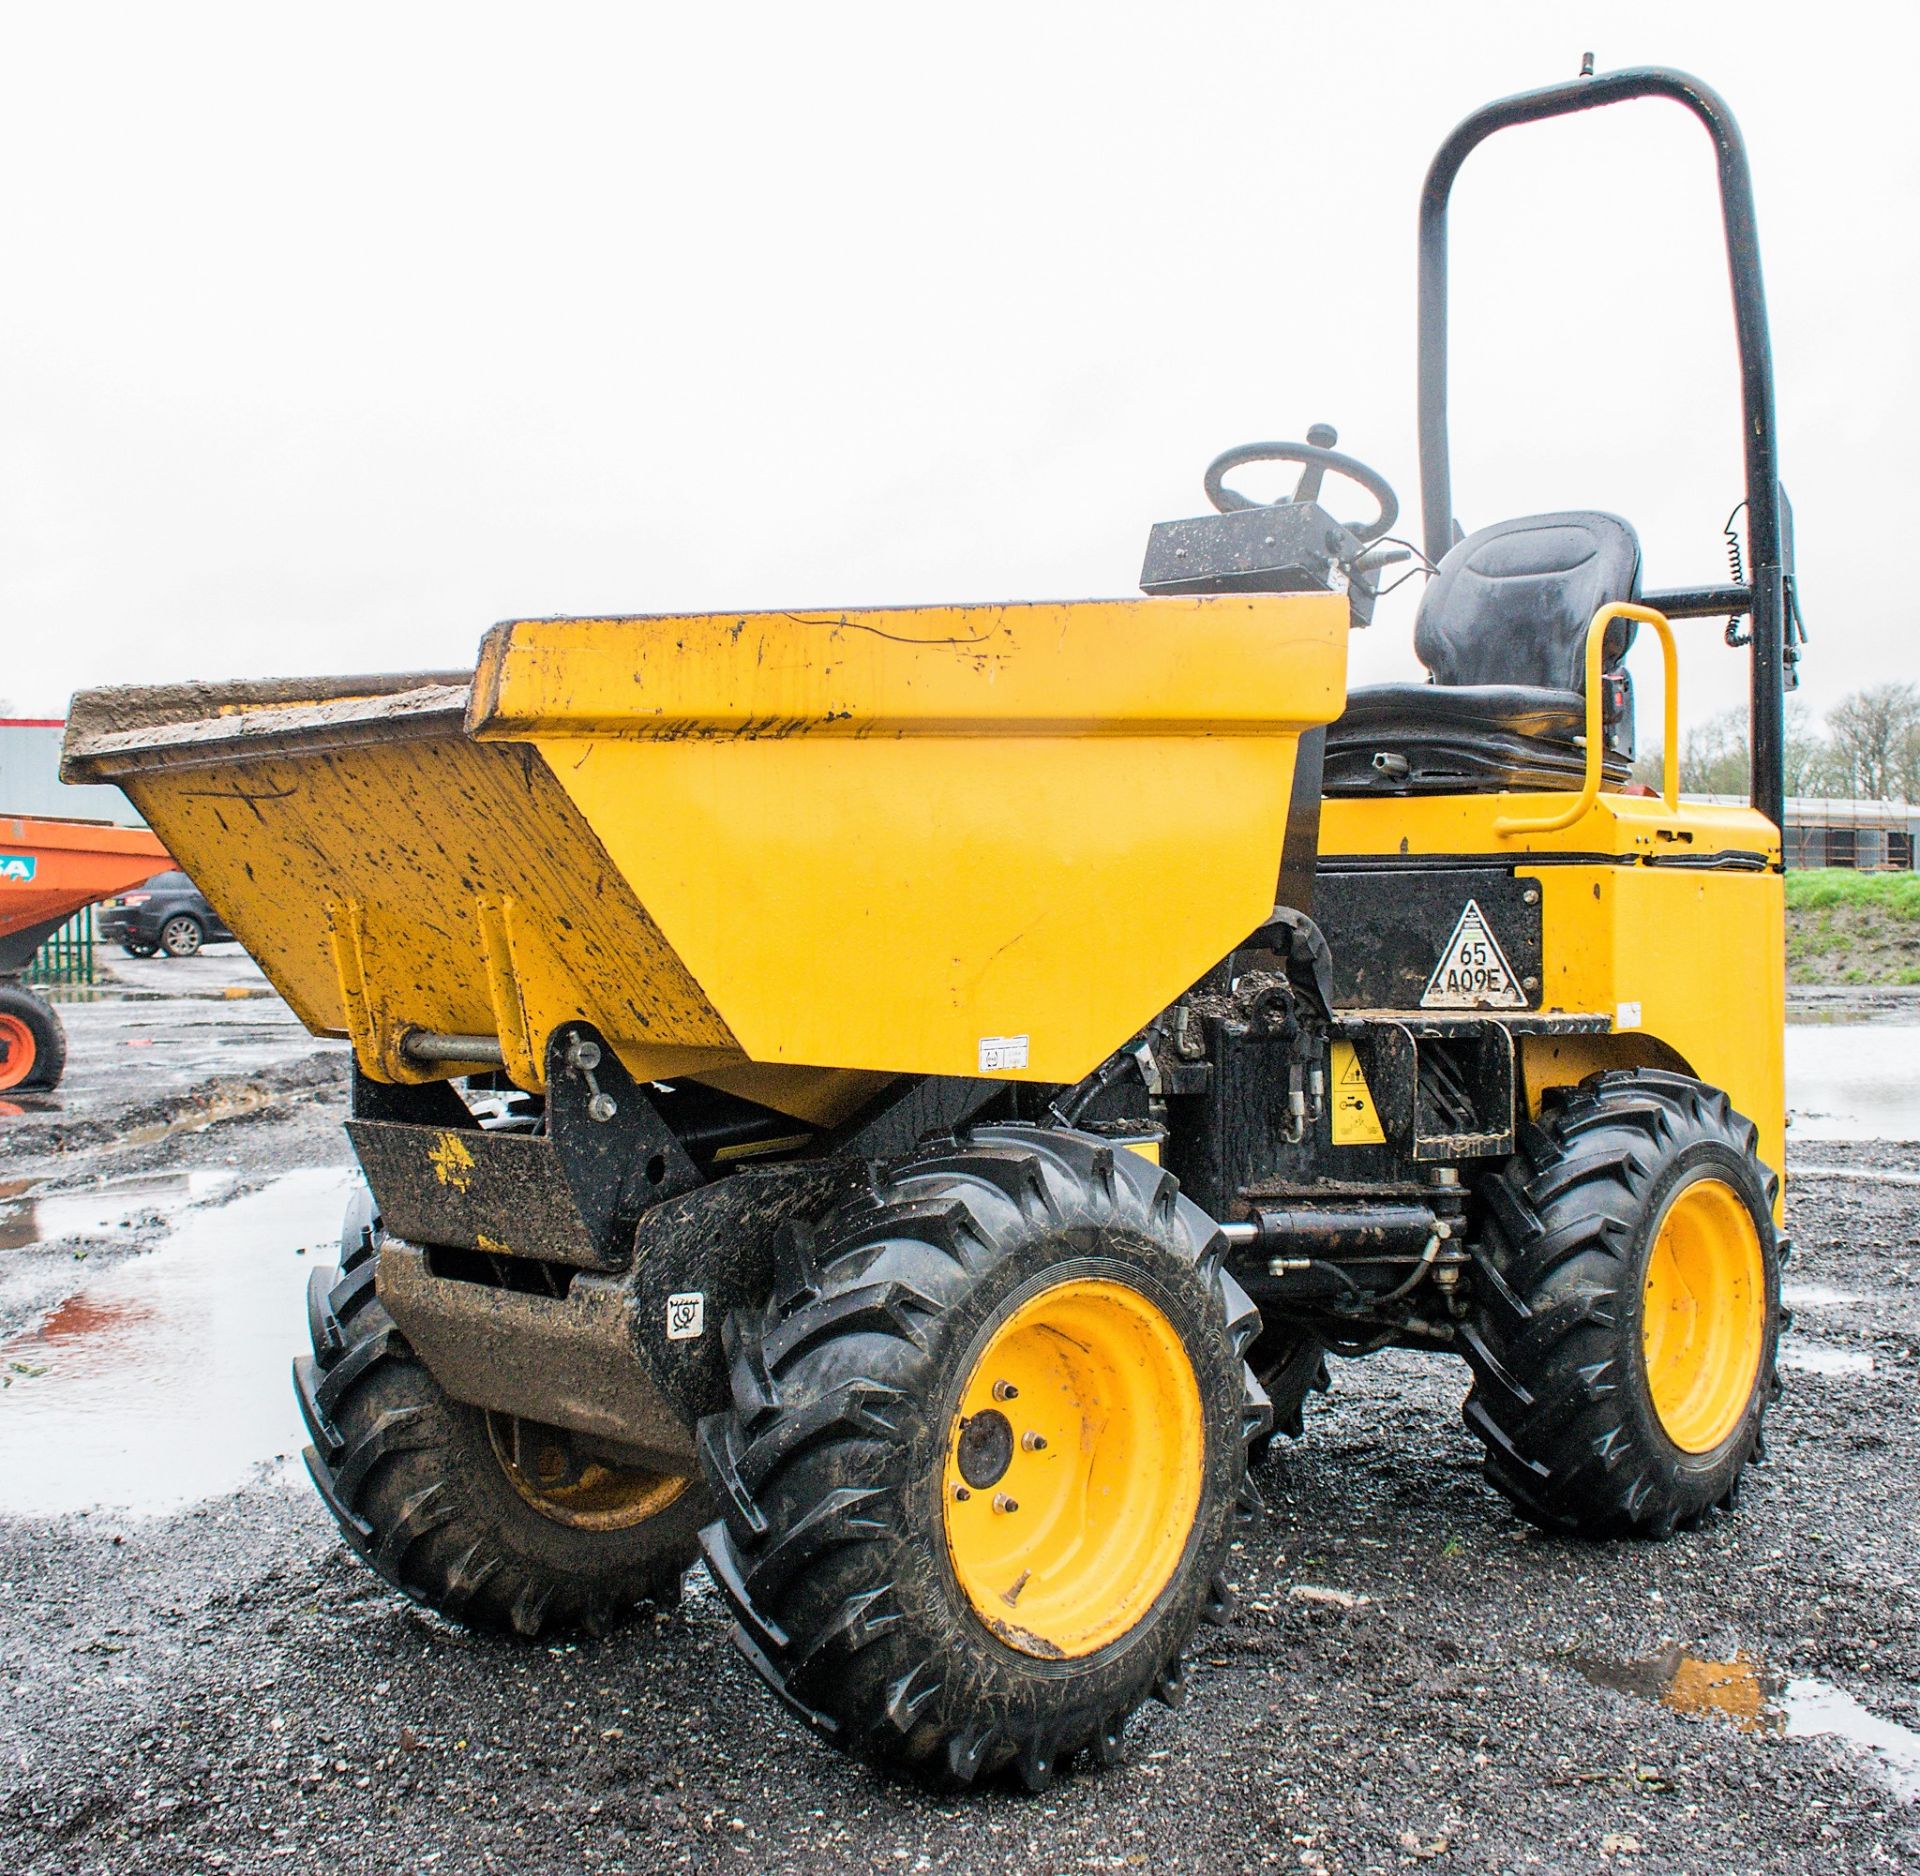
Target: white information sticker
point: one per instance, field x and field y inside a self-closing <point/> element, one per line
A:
<point x="686" y="1315"/>
<point x="1627" y="1016"/>
<point x="1473" y="972"/>
<point x="998" y="1054"/>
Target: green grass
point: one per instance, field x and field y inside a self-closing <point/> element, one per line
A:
<point x="1853" y="928"/>
<point x="1893" y="894"/>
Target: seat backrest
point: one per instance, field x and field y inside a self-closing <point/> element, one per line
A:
<point x="1510" y="604"/>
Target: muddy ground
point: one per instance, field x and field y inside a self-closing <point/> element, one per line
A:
<point x="1415" y="1678"/>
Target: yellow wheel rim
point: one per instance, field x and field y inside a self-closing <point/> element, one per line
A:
<point x="1073" y="1468"/>
<point x="1703" y="1318"/>
<point x="588" y="1496"/>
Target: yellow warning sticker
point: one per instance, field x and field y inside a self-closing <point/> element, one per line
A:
<point x="1356" y="1122"/>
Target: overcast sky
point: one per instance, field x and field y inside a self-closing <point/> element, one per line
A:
<point x="332" y="335"/>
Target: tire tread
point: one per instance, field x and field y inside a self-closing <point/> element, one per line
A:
<point x="826" y="1389"/>
<point x="1558" y="1255"/>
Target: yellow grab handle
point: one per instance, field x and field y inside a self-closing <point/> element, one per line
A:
<point x="1670" y="754"/>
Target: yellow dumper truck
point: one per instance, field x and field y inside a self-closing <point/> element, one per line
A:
<point x="903" y="1101"/>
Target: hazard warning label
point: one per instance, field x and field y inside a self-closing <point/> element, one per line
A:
<point x="1356" y="1121"/>
<point x="1473" y="972"/>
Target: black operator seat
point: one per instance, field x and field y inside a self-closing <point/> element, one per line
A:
<point x="1502" y="632"/>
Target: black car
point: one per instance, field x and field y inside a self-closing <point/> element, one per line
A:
<point x="169" y="914"/>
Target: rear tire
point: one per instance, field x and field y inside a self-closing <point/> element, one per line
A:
<point x="1629" y="1292"/>
<point x="427" y="1491"/>
<point x="1291" y="1365"/>
<point x="869" y="1539"/>
<point x="33" y="1045"/>
<point x="182" y="936"/>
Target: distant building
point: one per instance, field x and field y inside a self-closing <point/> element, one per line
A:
<point x="30" y="778"/>
<point x="1867" y="836"/>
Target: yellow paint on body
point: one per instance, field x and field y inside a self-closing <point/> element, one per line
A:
<point x="792" y="853"/>
<point x="1686" y="960"/>
<point x="758" y="1149"/>
<point x="797" y="853"/>
<point x="415" y="881"/>
<point x="452" y="1161"/>
<point x="876" y="840"/>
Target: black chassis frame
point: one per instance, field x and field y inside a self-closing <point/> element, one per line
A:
<point x="538" y="1251"/>
<point x="535" y="1256"/>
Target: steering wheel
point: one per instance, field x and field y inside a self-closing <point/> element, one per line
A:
<point x="1318" y="456"/>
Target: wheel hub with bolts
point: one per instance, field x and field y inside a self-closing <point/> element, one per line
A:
<point x="983" y="1451"/>
<point x="1098" y="1492"/>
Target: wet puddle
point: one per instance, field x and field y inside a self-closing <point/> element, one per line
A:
<point x="1756" y="1700"/>
<point x="247" y="1101"/>
<point x="1852" y="1175"/>
<point x="1818" y="1296"/>
<point x="221" y="1107"/>
<point x="1799" y="1356"/>
<point x="1853" y="1081"/>
<point x="28" y="1218"/>
<point x="165" y="1381"/>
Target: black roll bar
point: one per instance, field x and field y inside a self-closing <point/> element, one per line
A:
<point x="1765" y="599"/>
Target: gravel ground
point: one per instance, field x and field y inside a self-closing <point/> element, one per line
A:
<point x="224" y="1688"/>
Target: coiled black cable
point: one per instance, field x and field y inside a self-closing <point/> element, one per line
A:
<point x="1737" y="565"/>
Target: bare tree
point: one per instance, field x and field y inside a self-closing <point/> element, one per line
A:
<point x="1808" y="756"/>
<point x="1874" y="735"/>
<point x="1716" y="757"/>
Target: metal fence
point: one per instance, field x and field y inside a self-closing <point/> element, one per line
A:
<point x="1865" y="849"/>
<point x="1866" y="836"/>
<point x="68" y="956"/>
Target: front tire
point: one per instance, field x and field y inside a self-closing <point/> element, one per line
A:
<point x="456" y="1507"/>
<point x="1629" y="1290"/>
<point x="985" y="1445"/>
<point x="33" y="1045"/>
